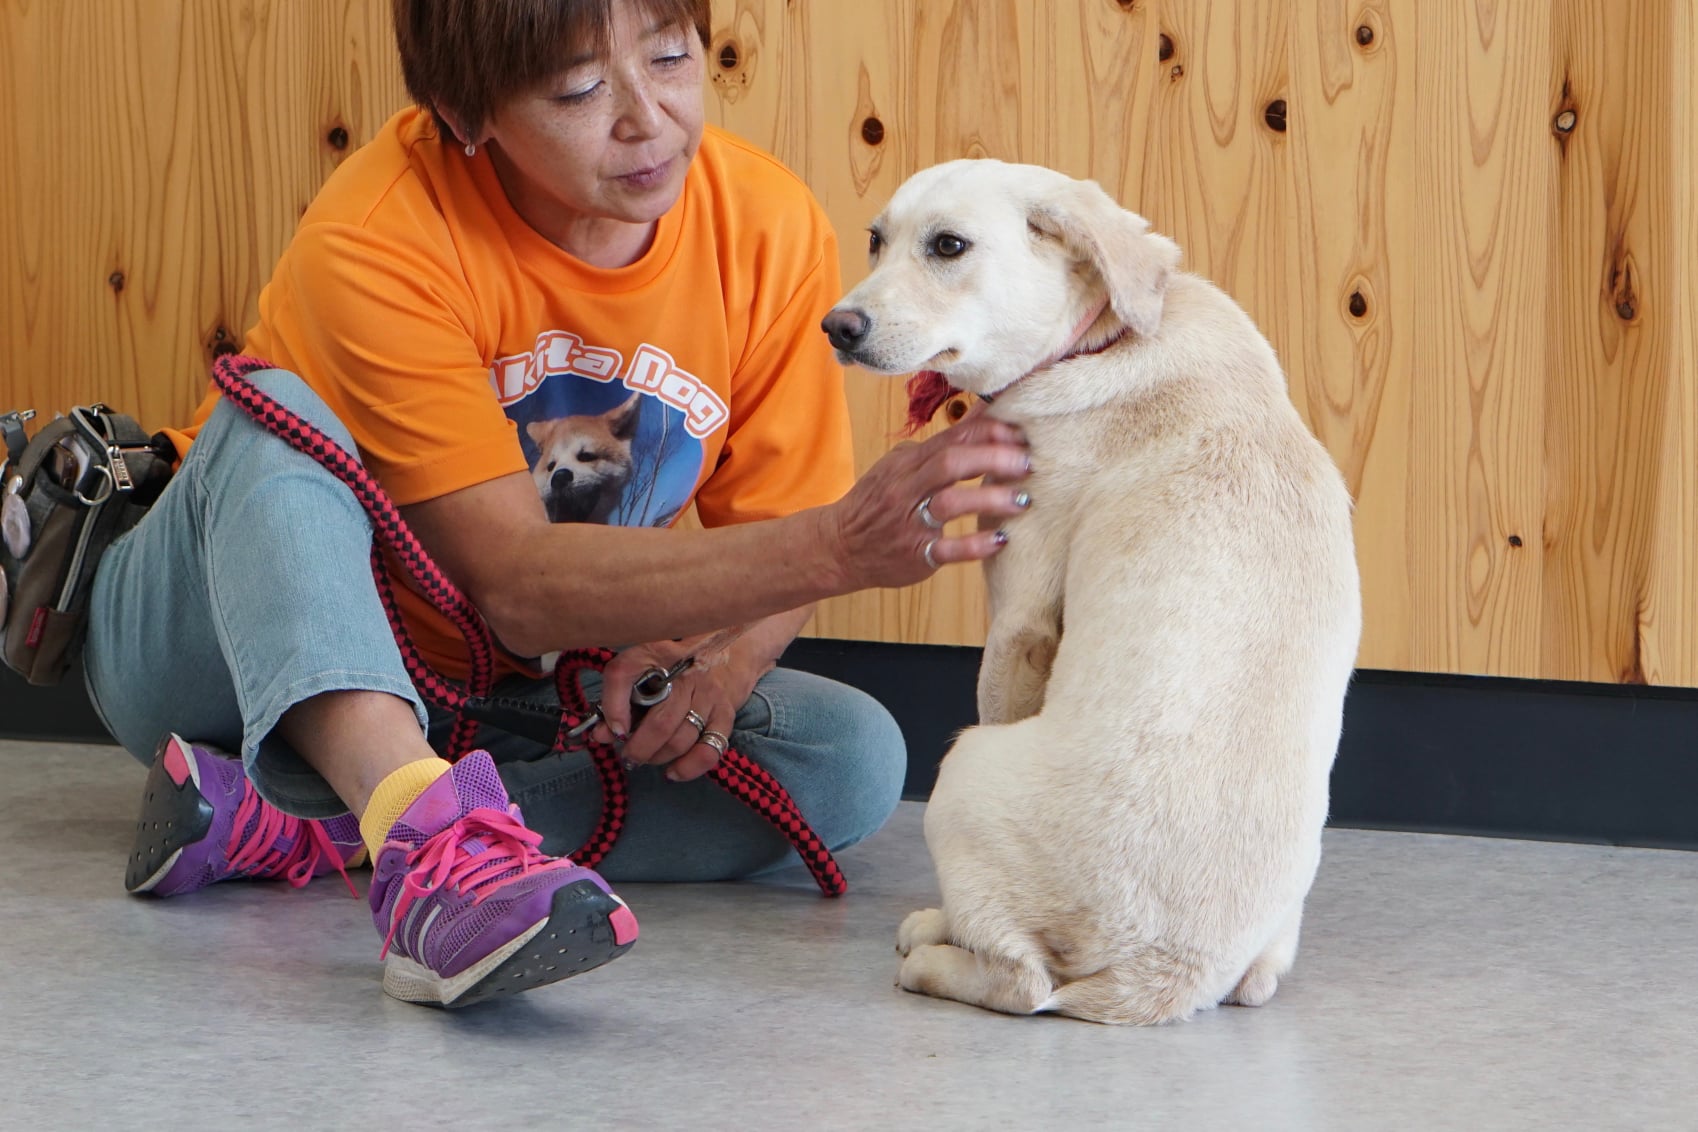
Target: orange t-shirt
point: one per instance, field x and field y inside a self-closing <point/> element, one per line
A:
<point x="458" y="345"/>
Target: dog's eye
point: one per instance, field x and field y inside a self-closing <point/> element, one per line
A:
<point x="586" y="456"/>
<point x="948" y="245"/>
<point x="551" y="465"/>
<point x="874" y="241"/>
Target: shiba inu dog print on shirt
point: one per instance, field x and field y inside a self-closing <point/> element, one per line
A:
<point x="607" y="441"/>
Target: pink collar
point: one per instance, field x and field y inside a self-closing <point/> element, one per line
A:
<point x="928" y="389"/>
<point x="1072" y="350"/>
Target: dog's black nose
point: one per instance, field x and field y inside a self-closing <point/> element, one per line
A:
<point x="846" y="329"/>
<point x="560" y="480"/>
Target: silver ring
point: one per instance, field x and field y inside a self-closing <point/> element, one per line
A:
<point x="927" y="554"/>
<point x="715" y="740"/>
<point x="694" y="717"/>
<point x="924" y="511"/>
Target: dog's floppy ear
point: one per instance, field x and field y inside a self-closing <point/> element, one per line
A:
<point x="1133" y="261"/>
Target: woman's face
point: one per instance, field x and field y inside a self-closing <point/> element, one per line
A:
<point x="604" y="144"/>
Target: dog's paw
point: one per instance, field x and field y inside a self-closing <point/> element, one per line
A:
<point x="1256" y="987"/>
<point x="921" y="928"/>
<point x="922" y="968"/>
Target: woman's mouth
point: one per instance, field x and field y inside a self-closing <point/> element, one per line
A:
<point x="642" y="180"/>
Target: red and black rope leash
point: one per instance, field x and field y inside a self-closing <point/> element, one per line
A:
<point x="735" y="772"/>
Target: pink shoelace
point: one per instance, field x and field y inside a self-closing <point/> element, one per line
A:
<point x="258" y="855"/>
<point x="477" y="854"/>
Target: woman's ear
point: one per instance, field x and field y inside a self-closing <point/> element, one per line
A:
<point x="457" y="126"/>
<point x="1134" y="262"/>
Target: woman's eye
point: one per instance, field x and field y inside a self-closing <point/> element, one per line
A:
<point x="674" y="59"/>
<point x="579" y="84"/>
<point x="948" y="245"/>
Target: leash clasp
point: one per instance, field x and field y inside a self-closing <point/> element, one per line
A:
<point x="651" y="688"/>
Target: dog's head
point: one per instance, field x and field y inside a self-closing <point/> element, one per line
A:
<point x="583" y="462"/>
<point x="981" y="270"/>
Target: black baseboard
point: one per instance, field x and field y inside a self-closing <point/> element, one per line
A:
<point x="1504" y="758"/>
<point x="61" y="712"/>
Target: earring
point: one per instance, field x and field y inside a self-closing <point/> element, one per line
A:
<point x="471" y="149"/>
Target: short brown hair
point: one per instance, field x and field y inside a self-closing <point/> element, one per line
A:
<point x="470" y="56"/>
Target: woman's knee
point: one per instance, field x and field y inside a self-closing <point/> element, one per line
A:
<point x="877" y="765"/>
<point x="837" y="750"/>
<point x="230" y="424"/>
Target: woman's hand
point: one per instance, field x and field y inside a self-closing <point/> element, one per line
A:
<point x="889" y="526"/>
<point x="667" y="735"/>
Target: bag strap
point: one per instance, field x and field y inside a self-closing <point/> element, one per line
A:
<point x="43" y="442"/>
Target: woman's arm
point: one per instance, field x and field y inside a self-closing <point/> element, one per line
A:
<point x="544" y="586"/>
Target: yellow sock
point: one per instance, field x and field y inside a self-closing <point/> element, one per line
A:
<point x="392" y="797"/>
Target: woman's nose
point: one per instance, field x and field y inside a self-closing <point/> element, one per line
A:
<point x="640" y="114"/>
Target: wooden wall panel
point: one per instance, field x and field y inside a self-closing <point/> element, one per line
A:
<point x="1352" y="113"/>
<point x="1483" y="185"/>
<point x="1610" y="377"/>
<point x="1488" y="312"/>
<point x="156" y="156"/>
<point x="1668" y="626"/>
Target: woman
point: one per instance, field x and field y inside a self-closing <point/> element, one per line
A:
<point x="549" y="310"/>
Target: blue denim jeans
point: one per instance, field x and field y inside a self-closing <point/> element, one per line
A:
<point x="247" y="589"/>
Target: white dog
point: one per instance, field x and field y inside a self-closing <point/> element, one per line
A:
<point x="1130" y="832"/>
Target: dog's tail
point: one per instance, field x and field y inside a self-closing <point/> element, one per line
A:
<point x="1147" y="987"/>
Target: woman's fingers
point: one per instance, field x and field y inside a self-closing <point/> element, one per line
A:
<point x="961" y="501"/>
<point x="703" y="755"/>
<point x="890" y="525"/>
<point x="966" y="548"/>
<point x="655" y="739"/>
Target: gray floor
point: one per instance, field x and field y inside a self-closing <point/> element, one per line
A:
<point x="1444" y="983"/>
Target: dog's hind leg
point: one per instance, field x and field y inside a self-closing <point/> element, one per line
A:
<point x="922" y="929"/>
<point x="1151" y="987"/>
<point x="1272" y="965"/>
<point x="1006" y="985"/>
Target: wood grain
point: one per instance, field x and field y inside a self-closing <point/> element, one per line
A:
<point x="1488" y="314"/>
<point x="158" y="163"/>
<point x="1668" y="623"/>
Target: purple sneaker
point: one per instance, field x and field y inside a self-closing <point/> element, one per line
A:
<point x="470" y="908"/>
<point x="203" y="822"/>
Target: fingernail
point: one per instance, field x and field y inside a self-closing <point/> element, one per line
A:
<point x="620" y="735"/>
<point x="1028" y="462"/>
<point x="1002" y="538"/>
<point x="1022" y="500"/>
<point x="673" y="776"/>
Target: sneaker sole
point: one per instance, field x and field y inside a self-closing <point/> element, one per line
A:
<point x="174" y="816"/>
<point x="586" y="928"/>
